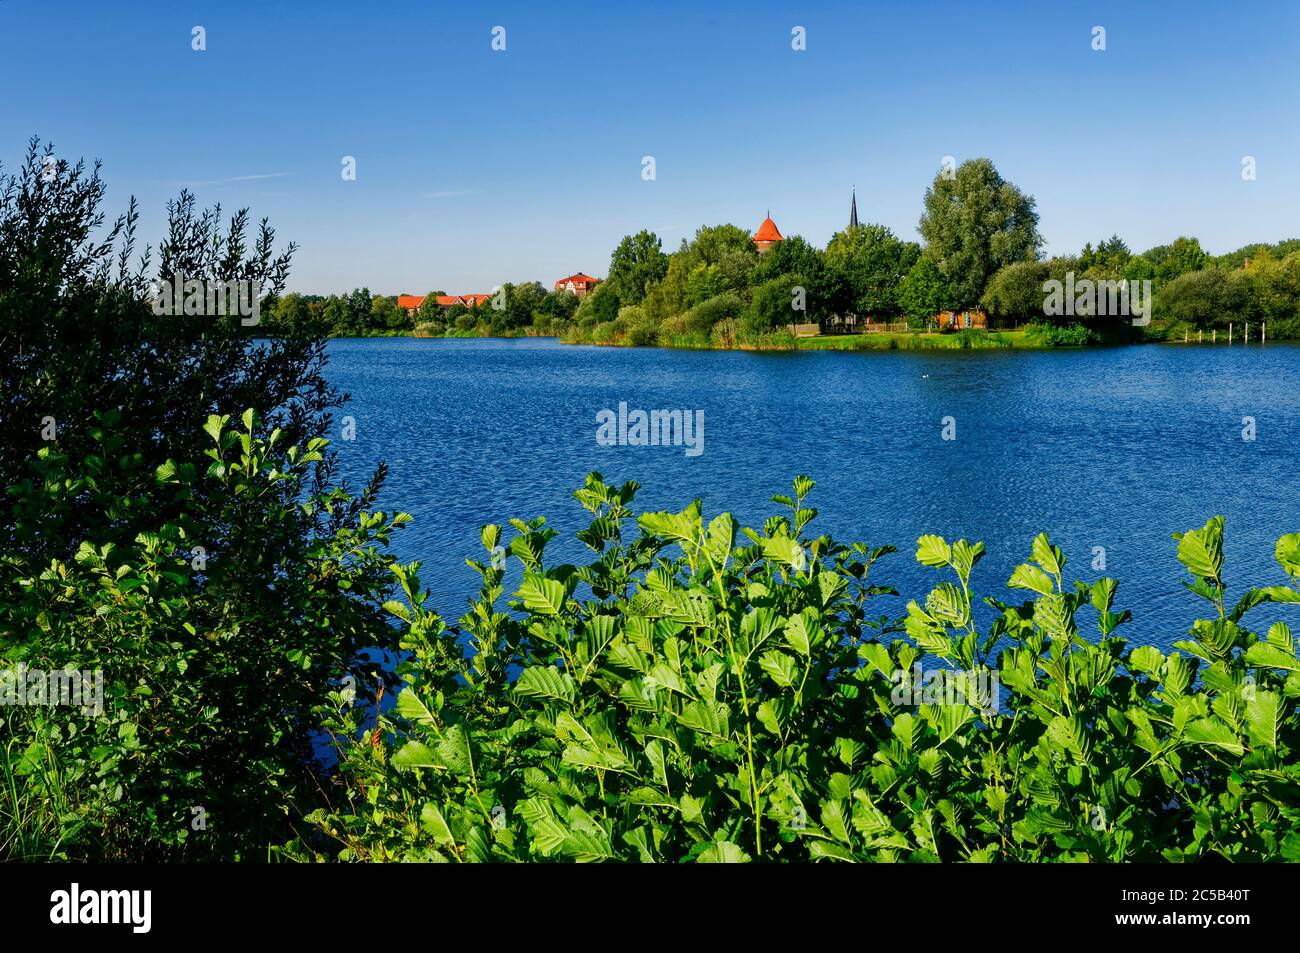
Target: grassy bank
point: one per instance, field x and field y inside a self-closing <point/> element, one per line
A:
<point x="920" y="341"/>
<point x="973" y="339"/>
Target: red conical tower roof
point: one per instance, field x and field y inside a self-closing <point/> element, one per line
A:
<point x="768" y="232"/>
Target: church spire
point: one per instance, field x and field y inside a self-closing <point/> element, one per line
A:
<point x="853" y="210"/>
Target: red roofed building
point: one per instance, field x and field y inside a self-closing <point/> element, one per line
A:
<point x="411" y="303"/>
<point x="767" y="235"/>
<point x="579" y="284"/>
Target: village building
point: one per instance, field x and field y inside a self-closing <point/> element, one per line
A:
<point x="960" y="320"/>
<point x="579" y="284"/>
<point x="411" y="303"/>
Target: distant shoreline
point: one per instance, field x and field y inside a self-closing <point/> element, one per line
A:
<point x="880" y="341"/>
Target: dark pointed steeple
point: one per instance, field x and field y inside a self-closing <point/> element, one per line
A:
<point x="853" y="210"/>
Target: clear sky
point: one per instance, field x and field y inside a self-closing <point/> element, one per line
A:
<point x="475" y="167"/>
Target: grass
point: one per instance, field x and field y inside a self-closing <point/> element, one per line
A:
<point x="970" y="339"/>
<point x="34" y="806"/>
<point x="973" y="339"/>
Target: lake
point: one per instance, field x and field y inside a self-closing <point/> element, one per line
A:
<point x="1106" y="447"/>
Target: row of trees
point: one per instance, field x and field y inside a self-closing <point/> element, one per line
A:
<point x="355" y="314"/>
<point x="982" y="249"/>
<point x="975" y="223"/>
<point x="512" y="309"/>
<point x="1259" y="282"/>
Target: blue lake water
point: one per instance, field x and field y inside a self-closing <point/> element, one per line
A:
<point x="1114" y="448"/>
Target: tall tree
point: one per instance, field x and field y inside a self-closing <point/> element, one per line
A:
<point x="974" y="223"/>
<point x="636" y="263"/>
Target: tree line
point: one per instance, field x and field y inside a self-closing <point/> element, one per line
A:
<point x="981" y="250"/>
<point x="526" y="307"/>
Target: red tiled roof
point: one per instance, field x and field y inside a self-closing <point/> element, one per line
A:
<point x="578" y="280"/>
<point x="767" y="232"/>
<point x="444" y="301"/>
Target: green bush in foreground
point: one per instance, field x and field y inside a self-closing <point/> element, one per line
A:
<point x="214" y="648"/>
<point x="697" y="692"/>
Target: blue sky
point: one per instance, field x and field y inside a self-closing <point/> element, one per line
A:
<point x="476" y="167"/>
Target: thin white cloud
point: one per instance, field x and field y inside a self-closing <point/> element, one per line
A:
<point x="244" y="178"/>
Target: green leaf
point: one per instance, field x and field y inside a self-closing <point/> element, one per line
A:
<point x="947" y="604"/>
<point x="780" y="667"/>
<point x="905" y="729"/>
<point x="711" y="718"/>
<point x="548" y="832"/>
<point x="548" y="682"/>
<point x="1028" y="576"/>
<point x="1201" y="550"/>
<point x="723" y="852"/>
<point x="683" y="527"/>
<point x="454" y="750"/>
<point x="478" y="849"/>
<point x="787" y="551"/>
<point x="1265" y="655"/>
<point x="965" y="556"/>
<point x="933" y="551"/>
<point x="541" y="595"/>
<point x="1287" y="554"/>
<point x="718" y="539"/>
<point x="433" y="822"/>
<point x="803" y="631"/>
<point x="1262" y="716"/>
<point x="1215" y="734"/>
<point x="1146" y="658"/>
<point x="1046" y="555"/>
<point x="213" y="426"/>
<point x="833" y="820"/>
<point x="878" y="656"/>
<point x="1291" y="848"/>
<point x="826" y="850"/>
<point x="409" y="706"/>
<point x="416" y="754"/>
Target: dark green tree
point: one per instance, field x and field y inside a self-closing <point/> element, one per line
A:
<point x="155" y="528"/>
<point x="925" y="291"/>
<point x="600" y="305"/>
<point x="637" y="262"/>
<point x="1015" y="292"/>
<point x="774" y="305"/>
<point x="974" y="223"/>
<point x="871" y="262"/>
